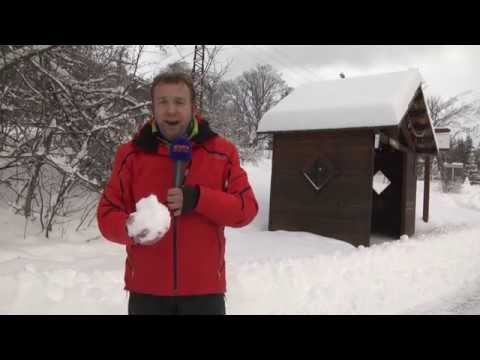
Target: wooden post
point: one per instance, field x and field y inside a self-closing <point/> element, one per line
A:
<point x="426" y="188"/>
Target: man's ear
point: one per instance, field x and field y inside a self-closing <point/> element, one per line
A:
<point x="195" y="110"/>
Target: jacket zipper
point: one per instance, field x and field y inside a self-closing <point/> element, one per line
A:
<point x="174" y="224"/>
<point x="174" y="254"/>
<point x="175" y="247"/>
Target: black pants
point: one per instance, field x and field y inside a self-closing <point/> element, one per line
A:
<point x="143" y="304"/>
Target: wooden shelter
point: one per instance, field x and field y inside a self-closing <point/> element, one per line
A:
<point x="344" y="156"/>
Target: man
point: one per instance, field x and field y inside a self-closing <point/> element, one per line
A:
<point x="182" y="272"/>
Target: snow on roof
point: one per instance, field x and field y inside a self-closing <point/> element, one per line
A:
<point x="366" y="101"/>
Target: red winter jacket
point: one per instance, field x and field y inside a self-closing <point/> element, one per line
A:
<point x="142" y="167"/>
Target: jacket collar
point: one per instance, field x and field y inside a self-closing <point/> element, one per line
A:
<point x="149" y="140"/>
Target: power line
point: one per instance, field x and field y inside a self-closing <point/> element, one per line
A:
<point x="182" y="57"/>
<point x="269" y="60"/>
<point x="304" y="76"/>
<point x="284" y="65"/>
<point x="277" y="50"/>
<point x="288" y="59"/>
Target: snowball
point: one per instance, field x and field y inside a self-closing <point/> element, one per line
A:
<point x="151" y="215"/>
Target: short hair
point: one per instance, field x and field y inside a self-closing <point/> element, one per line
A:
<point x="174" y="77"/>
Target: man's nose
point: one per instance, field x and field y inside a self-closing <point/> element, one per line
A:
<point x="171" y="108"/>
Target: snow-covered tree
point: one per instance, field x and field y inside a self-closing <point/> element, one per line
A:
<point x="454" y="112"/>
<point x="64" y="110"/>
<point x="471" y="168"/>
<point x="250" y="96"/>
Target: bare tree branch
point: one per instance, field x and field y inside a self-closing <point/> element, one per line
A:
<point x="22" y="54"/>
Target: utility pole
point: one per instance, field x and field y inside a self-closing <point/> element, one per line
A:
<point x="198" y="72"/>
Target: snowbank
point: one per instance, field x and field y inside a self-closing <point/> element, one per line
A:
<point x="268" y="272"/>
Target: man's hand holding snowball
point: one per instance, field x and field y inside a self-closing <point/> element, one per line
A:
<point x="151" y="221"/>
<point x="143" y="234"/>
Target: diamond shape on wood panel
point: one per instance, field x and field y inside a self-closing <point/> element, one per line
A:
<point x="380" y="182"/>
<point x="318" y="173"/>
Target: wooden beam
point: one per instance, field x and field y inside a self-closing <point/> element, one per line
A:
<point x="406" y="135"/>
<point x="385" y="139"/>
<point x="426" y="188"/>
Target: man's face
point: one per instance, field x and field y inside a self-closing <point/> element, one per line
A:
<point x="172" y="108"/>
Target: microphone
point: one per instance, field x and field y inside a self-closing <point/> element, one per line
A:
<point x="180" y="153"/>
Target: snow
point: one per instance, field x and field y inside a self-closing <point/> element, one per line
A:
<point x="6" y="107"/>
<point x="17" y="55"/>
<point x="60" y="71"/>
<point x="83" y="153"/>
<point x="41" y="150"/>
<point x="101" y="114"/>
<point x="62" y="162"/>
<point x="364" y="101"/>
<point x="151" y="215"/>
<point x="437" y="270"/>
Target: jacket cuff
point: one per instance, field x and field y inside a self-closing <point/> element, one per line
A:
<point x="190" y="198"/>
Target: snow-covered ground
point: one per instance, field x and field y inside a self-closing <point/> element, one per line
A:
<point x="436" y="271"/>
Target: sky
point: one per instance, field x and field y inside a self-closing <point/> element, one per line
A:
<point x="447" y="69"/>
<point x="436" y="271"/>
